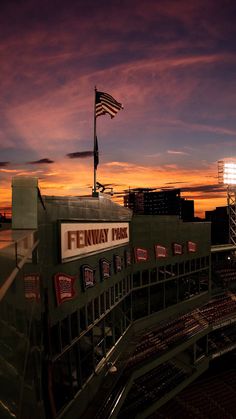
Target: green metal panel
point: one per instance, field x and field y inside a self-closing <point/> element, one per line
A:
<point x="24" y="203"/>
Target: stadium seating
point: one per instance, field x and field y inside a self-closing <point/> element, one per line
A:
<point x="151" y="387"/>
<point x="226" y="274"/>
<point x="208" y="398"/>
<point x="175" y="332"/>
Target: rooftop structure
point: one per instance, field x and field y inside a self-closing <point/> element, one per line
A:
<point x="163" y="202"/>
<point x="102" y="305"/>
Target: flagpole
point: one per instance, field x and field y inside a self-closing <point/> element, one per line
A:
<point x="94" y="147"/>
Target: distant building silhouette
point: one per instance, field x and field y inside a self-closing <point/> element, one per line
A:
<point x="187" y="209"/>
<point x="164" y="202"/>
<point x="219" y="225"/>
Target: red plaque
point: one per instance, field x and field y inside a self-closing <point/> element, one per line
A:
<point x="64" y="285"/>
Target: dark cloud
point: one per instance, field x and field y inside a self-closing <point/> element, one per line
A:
<point x="196" y="189"/>
<point x="41" y="161"/>
<point x="174" y="183"/>
<point x="140" y="189"/>
<point x="215" y="188"/>
<point x="4" y="163"/>
<point x="80" y="155"/>
<point x="204" y="197"/>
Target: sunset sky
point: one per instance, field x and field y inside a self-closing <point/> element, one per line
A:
<point x="172" y="64"/>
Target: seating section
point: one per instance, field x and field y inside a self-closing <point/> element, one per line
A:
<point x="226" y="275"/>
<point x="218" y="309"/>
<point x="221" y="339"/>
<point x="167" y="336"/>
<point x="150" y="387"/>
<point x="175" y="332"/>
<point x="212" y="398"/>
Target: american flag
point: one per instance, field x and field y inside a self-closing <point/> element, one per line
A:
<point x="105" y="103"/>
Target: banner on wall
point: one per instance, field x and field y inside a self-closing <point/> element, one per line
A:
<point x="128" y="260"/>
<point x="105" y="268"/>
<point x="32" y="286"/>
<point x="88" y="276"/>
<point x="117" y="263"/>
<point x="192" y="247"/>
<point x="160" y="251"/>
<point x="177" y="249"/>
<point x="140" y="254"/>
<point x="64" y="286"/>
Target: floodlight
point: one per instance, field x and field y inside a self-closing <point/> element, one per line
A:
<point x="227" y="176"/>
<point x="227" y="172"/>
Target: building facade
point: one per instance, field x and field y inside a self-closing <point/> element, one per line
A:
<point x="96" y="283"/>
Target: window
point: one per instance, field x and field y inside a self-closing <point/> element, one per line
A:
<point x="61" y="382"/>
<point x="198" y="263"/>
<point x="194" y="285"/>
<point x="168" y="271"/>
<point x="120" y="289"/>
<point x="204" y="280"/>
<point x="118" y="321"/>
<point x="96" y="308"/>
<point x="136" y="279"/>
<point x="175" y="269"/>
<point x="86" y="355"/>
<point x="109" y="332"/>
<point x="193" y="265"/>
<point x="181" y="268"/>
<point x="161" y="273"/>
<point x="129" y="283"/>
<point x="153" y="275"/>
<point x="202" y="262"/>
<point x="55" y="339"/>
<point x="65" y="332"/>
<point x="74" y="325"/>
<point x="184" y="291"/>
<point x="156" y="298"/>
<point x="124" y="286"/>
<point x="107" y="299"/>
<point x="98" y="341"/>
<point x="187" y="266"/>
<point x="75" y="372"/>
<point x="140" y="303"/>
<point x="145" y="277"/>
<point x="126" y="308"/>
<point x="112" y="296"/>
<point x="170" y="292"/>
<point x="102" y="304"/>
<point x="82" y="319"/>
<point x="116" y="292"/>
<point x="90" y="312"/>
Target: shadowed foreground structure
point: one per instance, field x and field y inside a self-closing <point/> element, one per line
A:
<point x="106" y="314"/>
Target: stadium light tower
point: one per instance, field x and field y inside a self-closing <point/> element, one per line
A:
<point x="227" y="176"/>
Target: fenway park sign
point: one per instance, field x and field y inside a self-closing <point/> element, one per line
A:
<point x="80" y="239"/>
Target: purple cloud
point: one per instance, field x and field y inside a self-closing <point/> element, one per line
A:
<point x="41" y="161"/>
<point x="80" y="155"/>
